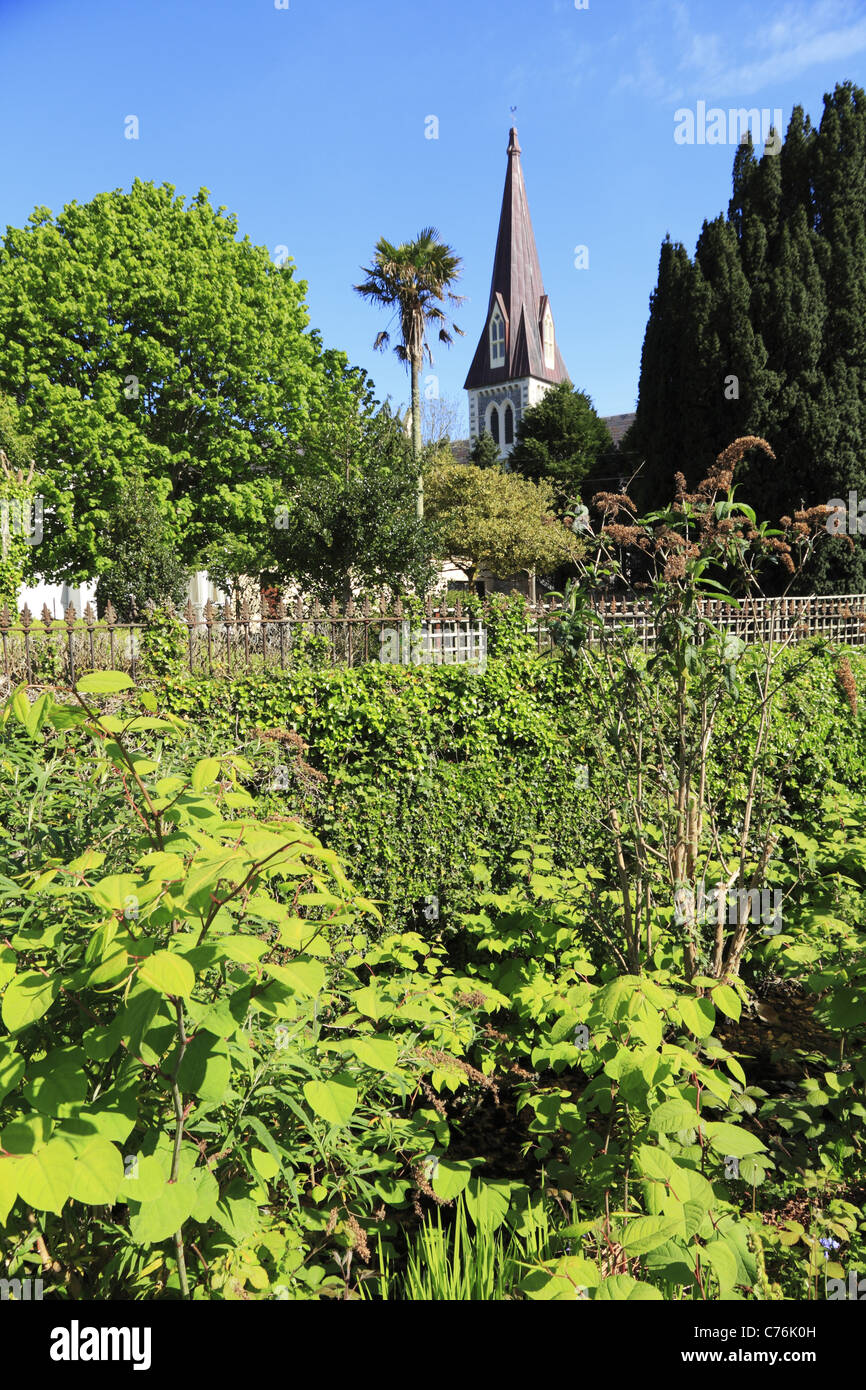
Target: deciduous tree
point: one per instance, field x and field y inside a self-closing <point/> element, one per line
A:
<point x="496" y="521"/>
<point x="139" y="332"/>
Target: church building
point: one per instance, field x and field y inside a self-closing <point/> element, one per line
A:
<point x="518" y="358"/>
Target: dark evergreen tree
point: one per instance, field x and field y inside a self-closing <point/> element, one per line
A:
<point x="659" y="439"/>
<point x="485" y="451"/>
<point x="145" y="565"/>
<point x="776" y="297"/>
<point x="559" y="439"/>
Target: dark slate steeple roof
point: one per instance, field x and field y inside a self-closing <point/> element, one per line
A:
<point x="518" y="285"/>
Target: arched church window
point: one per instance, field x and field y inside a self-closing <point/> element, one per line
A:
<point x="494" y="423"/>
<point x="509" y="425"/>
<point x="497" y="339"/>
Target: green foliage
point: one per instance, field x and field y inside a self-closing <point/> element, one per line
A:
<point x="20" y="529"/>
<point x="144" y="566"/>
<point x="560" y="439"/>
<point x="760" y="334"/>
<point x="164" y="645"/>
<point x="358" y="526"/>
<point x="200" y="387"/>
<point x="485" y="452"/>
<point x="175" y="943"/>
<point x="496" y="521"/>
<point x="414" y="279"/>
<point x="193" y="1011"/>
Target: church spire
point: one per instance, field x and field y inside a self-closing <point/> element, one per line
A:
<point x="518" y="340"/>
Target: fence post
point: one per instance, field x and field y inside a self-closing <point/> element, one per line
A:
<point x="70" y="620"/>
<point x="189" y="614"/>
<point x="26" y="620"/>
<point x="5" y="624"/>
<point x="90" y="620"/>
<point x="208" y="622"/>
<point x="281" y="620"/>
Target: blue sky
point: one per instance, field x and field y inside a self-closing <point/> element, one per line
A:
<point x="309" y="123"/>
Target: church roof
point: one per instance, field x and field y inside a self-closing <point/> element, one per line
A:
<point x="618" y="425"/>
<point x="518" y="285"/>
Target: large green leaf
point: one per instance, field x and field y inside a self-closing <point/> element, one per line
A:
<point x="672" y="1116"/>
<point x="97" y="1174"/>
<point x="733" y="1140"/>
<point x="168" y="973"/>
<point x="11" y="1068"/>
<point x="204" y="773"/>
<point x="116" y="892"/>
<point x="728" y="1001"/>
<point x="206" y="1068"/>
<point x="378" y="1053"/>
<point x="26" y="1134"/>
<point x="644" y="1233"/>
<point x="8" y="965"/>
<point x="104" y="683"/>
<point x="698" y="1015"/>
<point x="563" y="1281"/>
<point x="487" y="1202"/>
<point x="724" y="1264"/>
<point x="144" y="1178"/>
<point x="58" y="1081"/>
<point x="159" y="1218"/>
<point x="303" y="976"/>
<point x="450" y="1177"/>
<point x="27" y="998"/>
<point x="333" y="1100"/>
<point x="624" y="1289"/>
<point x="8" y="1185"/>
<point x="45" y="1178"/>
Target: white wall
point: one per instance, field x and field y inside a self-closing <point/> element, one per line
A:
<point x="59" y="596"/>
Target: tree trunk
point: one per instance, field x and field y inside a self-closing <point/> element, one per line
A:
<point x="416" y="430"/>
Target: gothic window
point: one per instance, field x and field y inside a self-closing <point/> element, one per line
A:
<point x="509" y="425"/>
<point x="494" y="423"/>
<point x="497" y="338"/>
<point x="549" y="345"/>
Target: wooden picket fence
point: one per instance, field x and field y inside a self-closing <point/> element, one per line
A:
<point x="838" y="618"/>
<point x="226" y="642"/>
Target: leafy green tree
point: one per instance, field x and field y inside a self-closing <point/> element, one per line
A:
<point x="496" y="521"/>
<point x="485" y="451"/>
<point x="20" y="524"/>
<point x="559" y="439"/>
<point x="18" y="446"/>
<point x="140" y="333"/>
<point x="357" y="528"/>
<point x="413" y="279"/>
<point x="145" y="564"/>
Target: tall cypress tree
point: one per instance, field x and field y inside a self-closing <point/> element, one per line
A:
<point x="840" y="207"/>
<point x="731" y="353"/>
<point x="779" y="288"/>
<point x="668" y="383"/>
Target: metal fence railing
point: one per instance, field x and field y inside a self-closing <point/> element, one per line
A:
<point x="226" y="641"/>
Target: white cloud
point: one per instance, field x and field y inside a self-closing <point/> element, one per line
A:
<point x="750" y="56"/>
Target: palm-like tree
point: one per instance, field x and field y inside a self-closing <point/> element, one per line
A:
<point x="413" y="279"/>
